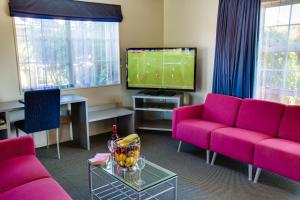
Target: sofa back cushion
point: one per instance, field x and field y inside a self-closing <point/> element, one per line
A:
<point x="290" y="124"/>
<point x="221" y="108"/>
<point x="260" y="116"/>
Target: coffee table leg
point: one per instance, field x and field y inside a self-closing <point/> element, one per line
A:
<point x="90" y="181"/>
<point x="175" y="188"/>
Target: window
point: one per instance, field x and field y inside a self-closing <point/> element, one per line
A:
<point x="68" y="54"/>
<point x="278" y="72"/>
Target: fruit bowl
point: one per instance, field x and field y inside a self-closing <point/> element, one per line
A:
<point x="127" y="151"/>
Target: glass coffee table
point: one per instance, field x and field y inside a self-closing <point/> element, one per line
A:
<point x="112" y="183"/>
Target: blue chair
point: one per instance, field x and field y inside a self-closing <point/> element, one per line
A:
<point x="42" y="113"/>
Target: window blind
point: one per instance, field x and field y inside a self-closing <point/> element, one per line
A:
<point x="65" y="9"/>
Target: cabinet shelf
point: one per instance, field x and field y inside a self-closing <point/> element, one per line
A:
<point x="158" y="125"/>
<point x="2" y="127"/>
<point x="154" y="109"/>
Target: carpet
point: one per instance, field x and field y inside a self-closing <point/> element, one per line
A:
<point x="227" y="180"/>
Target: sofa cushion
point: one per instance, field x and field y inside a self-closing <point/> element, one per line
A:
<point x="197" y="131"/>
<point x="20" y="170"/>
<point x="41" y="189"/>
<point x="236" y="143"/>
<point x="221" y="108"/>
<point x="279" y="156"/>
<point x="183" y="113"/>
<point x="14" y="147"/>
<point x="290" y="124"/>
<point x="260" y="116"/>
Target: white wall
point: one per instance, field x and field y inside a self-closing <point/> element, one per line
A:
<point x="193" y="23"/>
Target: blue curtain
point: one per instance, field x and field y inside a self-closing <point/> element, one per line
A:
<point x="236" y="47"/>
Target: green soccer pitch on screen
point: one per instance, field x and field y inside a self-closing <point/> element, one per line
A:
<point x="161" y="68"/>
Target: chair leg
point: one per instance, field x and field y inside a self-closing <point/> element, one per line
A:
<point x="179" y="146"/>
<point x="250" y="169"/>
<point x="258" y="171"/>
<point x="207" y="156"/>
<point x="57" y="143"/>
<point x="214" y="158"/>
<point x="17" y="132"/>
<point x="47" y="138"/>
<point x="33" y="137"/>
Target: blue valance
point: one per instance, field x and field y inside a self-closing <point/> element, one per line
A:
<point x="65" y="9"/>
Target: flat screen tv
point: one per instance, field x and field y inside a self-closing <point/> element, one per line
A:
<point x="161" y="68"/>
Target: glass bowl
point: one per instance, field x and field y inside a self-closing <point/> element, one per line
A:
<point x="126" y="156"/>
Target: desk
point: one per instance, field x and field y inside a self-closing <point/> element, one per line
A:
<point x="78" y="113"/>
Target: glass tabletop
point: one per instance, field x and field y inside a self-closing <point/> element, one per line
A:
<point x="152" y="175"/>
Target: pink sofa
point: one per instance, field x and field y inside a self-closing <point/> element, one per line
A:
<point x="259" y="133"/>
<point x="22" y="176"/>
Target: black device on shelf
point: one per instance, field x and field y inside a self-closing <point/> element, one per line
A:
<point x="161" y="70"/>
<point x="158" y="92"/>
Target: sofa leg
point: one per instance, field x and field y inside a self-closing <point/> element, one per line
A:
<point x="179" y="146"/>
<point x="207" y="156"/>
<point x="17" y="132"/>
<point x="250" y="169"/>
<point x="214" y="158"/>
<point x="258" y="171"/>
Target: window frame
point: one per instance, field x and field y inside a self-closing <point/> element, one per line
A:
<point x="264" y="5"/>
<point x="22" y="91"/>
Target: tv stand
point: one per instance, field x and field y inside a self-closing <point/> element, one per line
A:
<point x="158" y="93"/>
<point x="154" y="112"/>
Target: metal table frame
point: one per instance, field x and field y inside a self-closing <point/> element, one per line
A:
<point x="115" y="189"/>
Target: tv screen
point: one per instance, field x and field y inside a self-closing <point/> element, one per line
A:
<point x="161" y="68"/>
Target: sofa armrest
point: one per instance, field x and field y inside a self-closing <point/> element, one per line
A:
<point x="15" y="147"/>
<point x="185" y="112"/>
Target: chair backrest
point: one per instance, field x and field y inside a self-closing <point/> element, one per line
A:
<point x="261" y="116"/>
<point x="290" y="124"/>
<point x="42" y="110"/>
<point x="221" y="108"/>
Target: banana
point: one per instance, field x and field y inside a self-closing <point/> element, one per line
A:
<point x="128" y="140"/>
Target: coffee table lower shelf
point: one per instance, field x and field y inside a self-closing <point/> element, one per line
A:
<point x="104" y="186"/>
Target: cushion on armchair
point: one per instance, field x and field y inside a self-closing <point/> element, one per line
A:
<point x="20" y="170"/>
<point x="41" y="189"/>
<point x="15" y="147"/>
<point x="197" y="131"/>
<point x="221" y="108"/>
<point x="184" y="113"/>
<point x="279" y="156"/>
<point x="236" y="143"/>
<point x="260" y="116"/>
<point x="290" y="124"/>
